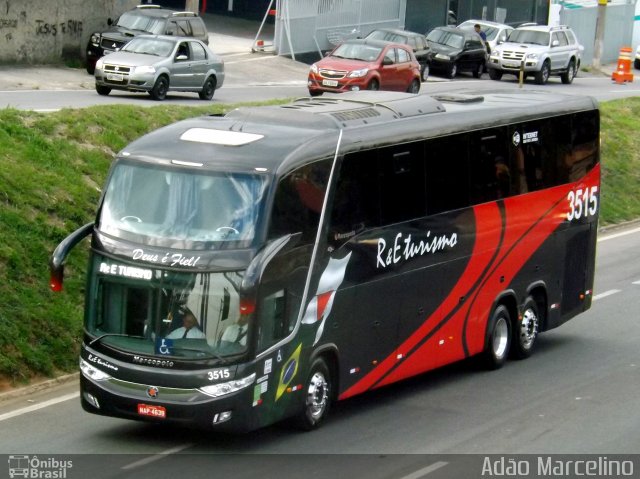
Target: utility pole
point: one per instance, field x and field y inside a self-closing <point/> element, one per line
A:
<point x="192" y="6"/>
<point x="597" y="47"/>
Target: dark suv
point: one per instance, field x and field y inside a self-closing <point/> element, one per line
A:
<point x="456" y="49"/>
<point x="144" y="19"/>
<point x="416" y="41"/>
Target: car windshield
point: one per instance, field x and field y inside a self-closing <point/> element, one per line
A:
<point x="135" y="21"/>
<point x="387" y="36"/>
<point x="357" y="51"/>
<point x="150" y="46"/>
<point x="182" y="208"/>
<point x="444" y="37"/>
<point x="532" y="37"/>
<point x="166" y="313"/>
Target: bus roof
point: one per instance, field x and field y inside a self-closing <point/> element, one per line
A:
<point x="278" y="138"/>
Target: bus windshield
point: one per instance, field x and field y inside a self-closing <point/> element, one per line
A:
<point x="168" y="314"/>
<point x="182" y="208"/>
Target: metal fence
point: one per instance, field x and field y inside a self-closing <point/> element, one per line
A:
<point x="618" y="31"/>
<point x="304" y="26"/>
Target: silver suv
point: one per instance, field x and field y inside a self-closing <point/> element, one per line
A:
<point x="541" y="50"/>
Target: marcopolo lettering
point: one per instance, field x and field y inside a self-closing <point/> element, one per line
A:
<point x="153" y="362"/>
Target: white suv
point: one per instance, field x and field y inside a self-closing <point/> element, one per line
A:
<point x="541" y="50"/>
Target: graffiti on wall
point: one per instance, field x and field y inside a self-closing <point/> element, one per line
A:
<point x="70" y="27"/>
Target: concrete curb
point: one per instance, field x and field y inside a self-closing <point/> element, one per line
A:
<point x="40" y="386"/>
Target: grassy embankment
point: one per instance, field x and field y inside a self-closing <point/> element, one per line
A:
<point x="51" y="169"/>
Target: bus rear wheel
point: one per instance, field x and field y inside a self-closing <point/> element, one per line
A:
<point x="317" y="399"/>
<point x="526" y="332"/>
<point x="498" y="339"/>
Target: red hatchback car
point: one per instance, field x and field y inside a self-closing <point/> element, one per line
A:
<point x="366" y="65"/>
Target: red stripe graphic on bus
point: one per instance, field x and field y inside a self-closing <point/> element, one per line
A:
<point x="457" y="330"/>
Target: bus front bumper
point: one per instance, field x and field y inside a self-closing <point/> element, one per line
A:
<point x="188" y="407"/>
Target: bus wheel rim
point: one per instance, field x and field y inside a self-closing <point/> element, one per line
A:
<point x="528" y="328"/>
<point x="317" y="395"/>
<point x="500" y="338"/>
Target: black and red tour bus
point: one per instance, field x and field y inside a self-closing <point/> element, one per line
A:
<point x="258" y="266"/>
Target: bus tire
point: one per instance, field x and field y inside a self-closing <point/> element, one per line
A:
<point x="498" y="339"/>
<point x="317" y="396"/>
<point x="526" y="331"/>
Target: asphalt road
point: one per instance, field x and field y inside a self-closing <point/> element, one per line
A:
<point x="578" y="394"/>
<point x="252" y="77"/>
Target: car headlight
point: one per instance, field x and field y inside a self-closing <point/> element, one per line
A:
<point x="222" y="389"/>
<point x="496" y="54"/>
<point x="99" y="64"/>
<point x="442" y="56"/>
<point x="532" y="56"/>
<point x="146" y="69"/>
<point x="92" y="373"/>
<point x="314" y="68"/>
<point x="95" y="39"/>
<point x="358" y="73"/>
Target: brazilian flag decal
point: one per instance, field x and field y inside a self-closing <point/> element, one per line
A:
<point x="288" y="372"/>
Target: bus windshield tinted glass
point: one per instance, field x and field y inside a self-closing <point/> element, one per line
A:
<point x="167" y="314"/>
<point x="180" y="208"/>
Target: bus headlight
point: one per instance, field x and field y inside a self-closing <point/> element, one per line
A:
<point x="92" y="373"/>
<point x="222" y="389"/>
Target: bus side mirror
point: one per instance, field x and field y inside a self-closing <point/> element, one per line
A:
<point x="56" y="262"/>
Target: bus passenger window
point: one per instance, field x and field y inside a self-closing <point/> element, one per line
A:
<point x="356" y="202"/>
<point x="299" y="200"/>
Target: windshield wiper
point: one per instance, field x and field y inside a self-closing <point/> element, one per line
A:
<point x="207" y="353"/>
<point x="99" y="338"/>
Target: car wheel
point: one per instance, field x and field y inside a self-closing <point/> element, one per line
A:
<point x="315" y="93"/>
<point x="91" y="68"/>
<point x="477" y="72"/>
<point x="495" y="74"/>
<point x="208" y="89"/>
<point x="568" y="76"/>
<point x="373" y="85"/>
<point x="543" y="75"/>
<point x="424" y="74"/>
<point x="159" y="91"/>
<point x="636" y="64"/>
<point x="317" y="396"/>
<point x="498" y="339"/>
<point x="414" y="87"/>
<point x="525" y="334"/>
<point x="103" y="90"/>
<point x="453" y="71"/>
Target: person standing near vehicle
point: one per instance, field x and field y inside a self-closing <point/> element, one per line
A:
<point x="479" y="31"/>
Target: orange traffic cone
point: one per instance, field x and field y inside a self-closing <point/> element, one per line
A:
<point x="623" y="73"/>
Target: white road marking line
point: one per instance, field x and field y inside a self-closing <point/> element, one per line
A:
<point x="618" y="235"/>
<point x="35" y="407"/>
<point x="636" y="282"/>
<point x="426" y="470"/>
<point x="156" y="457"/>
<point x="255" y="59"/>
<point x="605" y="294"/>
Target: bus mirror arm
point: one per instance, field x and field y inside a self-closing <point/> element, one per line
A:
<point x="56" y="262"/>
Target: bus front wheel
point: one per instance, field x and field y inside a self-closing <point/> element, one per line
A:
<point x="317" y="399"/>
<point x="498" y="339"/>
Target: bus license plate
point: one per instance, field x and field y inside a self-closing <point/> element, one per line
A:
<point x="114" y="77"/>
<point x="153" y="411"/>
<point x="330" y="82"/>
